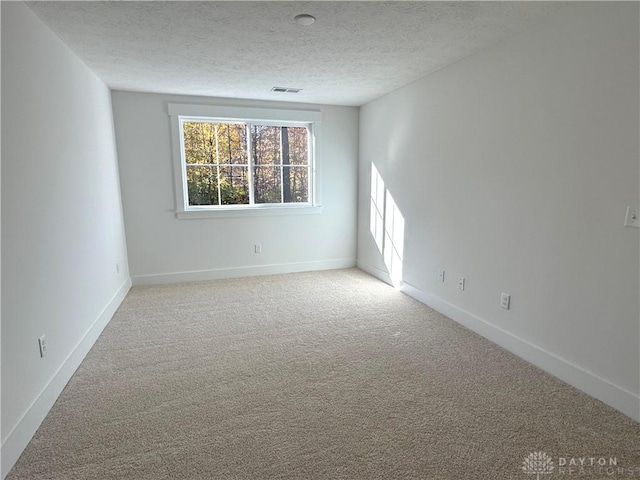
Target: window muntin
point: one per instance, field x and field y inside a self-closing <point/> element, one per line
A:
<point x="245" y="163"/>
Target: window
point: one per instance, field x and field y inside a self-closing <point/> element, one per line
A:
<point x="232" y="160"/>
<point x="244" y="164"/>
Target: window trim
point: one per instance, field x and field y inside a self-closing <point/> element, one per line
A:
<point x="229" y="114"/>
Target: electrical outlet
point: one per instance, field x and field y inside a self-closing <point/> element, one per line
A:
<point x="505" y="300"/>
<point x="441" y="276"/>
<point x="42" y="343"/>
<point x="461" y="283"/>
<point x="631" y="218"/>
<point x="258" y="248"/>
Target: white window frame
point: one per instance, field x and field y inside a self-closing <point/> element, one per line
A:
<point x="312" y="119"/>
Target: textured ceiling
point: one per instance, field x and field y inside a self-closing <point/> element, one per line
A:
<point x="354" y="53"/>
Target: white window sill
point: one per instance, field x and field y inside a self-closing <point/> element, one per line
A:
<point x="255" y="211"/>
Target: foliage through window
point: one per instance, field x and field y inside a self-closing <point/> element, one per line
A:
<point x="234" y="163"/>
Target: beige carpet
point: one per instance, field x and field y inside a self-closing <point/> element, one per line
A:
<point x="324" y="375"/>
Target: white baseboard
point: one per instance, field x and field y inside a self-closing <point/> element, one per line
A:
<point x="22" y="433"/>
<point x="622" y="400"/>
<point x="375" y="271"/>
<point x="249" y="271"/>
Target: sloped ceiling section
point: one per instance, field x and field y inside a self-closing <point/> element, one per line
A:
<point x="354" y="52"/>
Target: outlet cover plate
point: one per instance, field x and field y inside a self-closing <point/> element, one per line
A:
<point x="631" y="218"/>
<point x="505" y="301"/>
<point x="42" y="343"/>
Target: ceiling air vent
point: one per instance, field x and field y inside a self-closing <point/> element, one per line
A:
<point x="285" y="90"/>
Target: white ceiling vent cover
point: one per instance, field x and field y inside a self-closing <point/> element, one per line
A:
<point x="285" y="90"/>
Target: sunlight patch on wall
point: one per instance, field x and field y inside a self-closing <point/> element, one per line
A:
<point x="386" y="224"/>
<point x="393" y="239"/>
<point x="376" y="214"/>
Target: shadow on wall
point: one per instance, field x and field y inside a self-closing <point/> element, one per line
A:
<point x="386" y="225"/>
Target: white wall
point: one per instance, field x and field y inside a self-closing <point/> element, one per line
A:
<point x="163" y="248"/>
<point x="62" y="226"/>
<point x="513" y="168"/>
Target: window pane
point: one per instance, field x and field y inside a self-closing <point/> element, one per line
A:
<point x="199" y="142"/>
<point x="265" y="144"/>
<point x="295" y="184"/>
<point x="267" y="185"/>
<point x="232" y="143"/>
<point x="295" y="147"/>
<point x="234" y="185"/>
<point x="209" y="143"/>
<point x="202" y="185"/>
